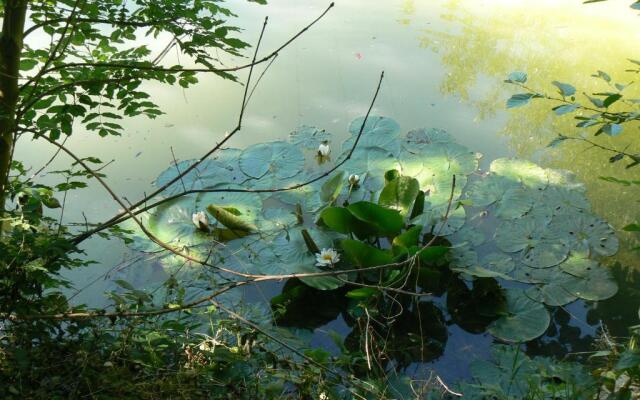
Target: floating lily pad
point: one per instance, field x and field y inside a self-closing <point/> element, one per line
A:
<point x="563" y="200"/>
<point x="514" y="204"/>
<point x="378" y="131"/>
<point x="435" y="219"/>
<point x="525" y="274"/>
<point x="462" y="257"/>
<point x="582" y="230"/>
<point x="309" y="137"/>
<point x="221" y="169"/>
<point x="588" y="279"/>
<point x="486" y="191"/>
<point x="468" y="234"/>
<point x="507" y="375"/>
<point x="411" y="164"/>
<point x="529" y="174"/>
<point x="450" y="158"/>
<point x="249" y="205"/>
<point x="527" y="235"/>
<point x="417" y="139"/>
<point x="273" y="219"/>
<point x="438" y="189"/>
<point x="292" y="249"/>
<point x="279" y="159"/>
<point x="553" y="294"/>
<point x="498" y="262"/>
<point x="524" y="320"/>
<point x="171" y="222"/>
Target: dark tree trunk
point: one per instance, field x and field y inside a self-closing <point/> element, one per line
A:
<point x="15" y="12"/>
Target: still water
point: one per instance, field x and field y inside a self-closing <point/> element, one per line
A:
<point x="444" y="63"/>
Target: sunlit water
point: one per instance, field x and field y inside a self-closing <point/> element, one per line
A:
<point x="444" y="63"/>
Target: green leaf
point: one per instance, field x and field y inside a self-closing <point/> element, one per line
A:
<point x="433" y="253"/>
<point x="559" y="139"/>
<point x="611" y="99"/>
<point x="565" y="109"/>
<point x="400" y="194"/>
<point x="408" y="238"/>
<point x="612" y="129"/>
<point x="340" y="220"/>
<point x="524" y="319"/>
<point x="601" y="74"/>
<point x="517" y="76"/>
<point x="565" y="89"/>
<point x="230" y="220"/>
<point x="520" y="99"/>
<point x="418" y="205"/>
<point x="386" y="222"/>
<point x="363" y="255"/>
<point x="27" y="64"/>
<point x="632" y="228"/>
<point x="279" y="159"/>
<point x="628" y="359"/>
<point x="362" y="293"/>
<point x="595" y="101"/>
<point x="320" y="282"/>
<point x="332" y="187"/>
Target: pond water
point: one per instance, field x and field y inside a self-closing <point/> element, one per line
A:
<point x="444" y="63"/>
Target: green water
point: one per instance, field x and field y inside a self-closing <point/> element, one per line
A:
<point x="444" y="64"/>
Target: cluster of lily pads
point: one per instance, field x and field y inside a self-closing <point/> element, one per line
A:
<point x="529" y="227"/>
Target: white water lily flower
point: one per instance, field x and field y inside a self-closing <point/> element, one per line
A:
<point x="324" y="149"/>
<point x="200" y="220"/>
<point x="354" y="179"/>
<point x="327" y="258"/>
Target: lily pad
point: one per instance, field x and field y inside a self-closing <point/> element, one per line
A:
<point x="529" y="174"/>
<point x="171" y="222"/>
<point x="514" y="204"/>
<point x="248" y="204"/>
<point x="553" y="294"/>
<point x="378" y="131"/>
<point x="587" y="279"/>
<point x="411" y="164"/>
<point x="450" y="159"/>
<point x="526" y="235"/>
<point x="309" y="137"/>
<point x="563" y="200"/>
<point x="524" y="318"/>
<point x="435" y="219"/>
<point x="488" y="190"/>
<point x="279" y="159"/>
<point x="582" y="230"/>
<point x="221" y="169"/>
<point x="291" y="248"/>
<point x="438" y="189"/>
<point x="417" y="139"/>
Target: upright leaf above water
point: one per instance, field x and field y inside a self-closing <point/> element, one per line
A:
<point x="400" y="194"/>
<point x="385" y="221"/>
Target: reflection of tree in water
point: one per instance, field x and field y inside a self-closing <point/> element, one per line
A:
<point x="572" y="335"/>
<point x="550" y="42"/>
<point x="397" y="330"/>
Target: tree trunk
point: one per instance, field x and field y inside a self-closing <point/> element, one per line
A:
<point x="15" y="12"/>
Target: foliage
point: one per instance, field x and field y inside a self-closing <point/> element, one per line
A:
<point x="607" y="112"/>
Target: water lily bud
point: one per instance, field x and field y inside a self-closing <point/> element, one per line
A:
<point x="201" y="221"/>
<point x="354" y="179"/>
<point x="324" y="149"/>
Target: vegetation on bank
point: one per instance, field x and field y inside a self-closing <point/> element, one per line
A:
<point x="398" y="234"/>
